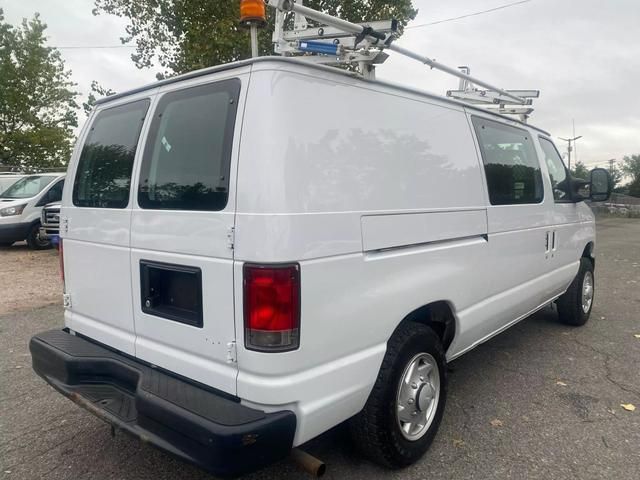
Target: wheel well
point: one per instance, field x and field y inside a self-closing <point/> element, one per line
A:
<point x="588" y="253"/>
<point x="438" y="316"/>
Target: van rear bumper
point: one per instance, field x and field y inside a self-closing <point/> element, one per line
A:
<point x="208" y="428"/>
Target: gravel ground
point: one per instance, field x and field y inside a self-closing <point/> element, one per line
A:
<point x="540" y="401"/>
<point x="29" y="278"/>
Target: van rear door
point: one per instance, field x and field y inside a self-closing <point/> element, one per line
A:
<point x="95" y="220"/>
<point x="183" y="216"/>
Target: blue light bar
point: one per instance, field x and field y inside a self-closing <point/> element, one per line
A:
<point x="318" y="47"/>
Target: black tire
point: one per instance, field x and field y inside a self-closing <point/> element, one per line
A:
<point x="376" y="430"/>
<point x="570" y="307"/>
<point x="34" y="241"/>
<point x="5" y="244"/>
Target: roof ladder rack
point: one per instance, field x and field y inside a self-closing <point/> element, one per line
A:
<point x="494" y="100"/>
<point x="338" y="42"/>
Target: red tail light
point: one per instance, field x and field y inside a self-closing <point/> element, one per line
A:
<point x="272" y="307"/>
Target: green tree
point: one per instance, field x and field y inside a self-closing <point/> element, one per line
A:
<point x="634" y="188"/>
<point x="579" y="170"/>
<point x="37" y="100"/>
<point x="185" y="35"/>
<point x="615" y="178"/>
<point x="96" y="89"/>
<point x="631" y="168"/>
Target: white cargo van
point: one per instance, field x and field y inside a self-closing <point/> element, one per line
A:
<point x="21" y="207"/>
<point x="256" y="252"/>
<point x="8" y="179"/>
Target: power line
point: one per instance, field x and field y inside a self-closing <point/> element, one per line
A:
<point x="75" y="47"/>
<point x="482" y="12"/>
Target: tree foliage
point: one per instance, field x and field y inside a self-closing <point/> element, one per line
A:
<point x="631" y="168"/>
<point x="579" y="170"/>
<point x="615" y="177"/>
<point x="185" y="35"/>
<point x="96" y="89"/>
<point x="37" y="100"/>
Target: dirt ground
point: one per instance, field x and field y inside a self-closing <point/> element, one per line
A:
<point x="28" y="278"/>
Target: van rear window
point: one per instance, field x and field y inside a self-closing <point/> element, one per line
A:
<point x="103" y="176"/>
<point x="188" y="152"/>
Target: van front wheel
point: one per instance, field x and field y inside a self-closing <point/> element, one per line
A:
<point x="404" y="410"/>
<point x="574" y="306"/>
<point x="35" y="241"/>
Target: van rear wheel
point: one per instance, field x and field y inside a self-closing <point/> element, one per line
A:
<point x="574" y="306"/>
<point x="404" y="410"/>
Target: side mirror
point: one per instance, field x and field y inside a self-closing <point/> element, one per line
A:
<point x="600" y="185"/>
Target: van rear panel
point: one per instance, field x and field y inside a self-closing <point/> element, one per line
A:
<point x="149" y="264"/>
<point x="96" y="221"/>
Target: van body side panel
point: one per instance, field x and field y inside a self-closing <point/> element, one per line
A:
<point x="381" y="232"/>
<point x="379" y="198"/>
<point x="516" y="236"/>
<point x="572" y="226"/>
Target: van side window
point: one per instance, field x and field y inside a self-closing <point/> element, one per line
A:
<point x="103" y="177"/>
<point x="187" y="157"/>
<point x="510" y="163"/>
<point x="557" y="170"/>
<point x="53" y="195"/>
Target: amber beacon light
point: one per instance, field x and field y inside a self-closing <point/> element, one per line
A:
<point x="253" y="15"/>
<point x="253" y="12"/>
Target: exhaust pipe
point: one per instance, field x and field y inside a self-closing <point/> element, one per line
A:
<point x="308" y="463"/>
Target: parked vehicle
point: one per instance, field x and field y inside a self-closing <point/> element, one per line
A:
<point x="236" y="284"/>
<point x="50" y="223"/>
<point x="8" y="179"/>
<point x="21" y="207"/>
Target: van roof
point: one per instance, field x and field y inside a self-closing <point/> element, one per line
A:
<point x="297" y="62"/>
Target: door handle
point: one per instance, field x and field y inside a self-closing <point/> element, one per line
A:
<point x="547" y="243"/>
<point x="550" y="243"/>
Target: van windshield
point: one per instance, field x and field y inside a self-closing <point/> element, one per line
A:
<point x="6" y="182"/>
<point x="28" y="187"/>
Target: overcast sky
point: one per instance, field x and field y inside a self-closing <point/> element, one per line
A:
<point x="584" y="56"/>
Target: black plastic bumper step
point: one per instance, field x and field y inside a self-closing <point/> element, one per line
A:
<point x="206" y="427"/>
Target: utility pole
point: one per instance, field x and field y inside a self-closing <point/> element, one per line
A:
<point x="570" y="148"/>
<point x="575" y="144"/>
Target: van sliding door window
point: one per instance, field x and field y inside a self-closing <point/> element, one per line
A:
<point x="187" y="157"/>
<point x="510" y="163"/>
<point x="103" y="177"/>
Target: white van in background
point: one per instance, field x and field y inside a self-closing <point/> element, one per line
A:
<point x="21" y="207"/>
<point x="8" y="179"/>
<point x="257" y="252"/>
